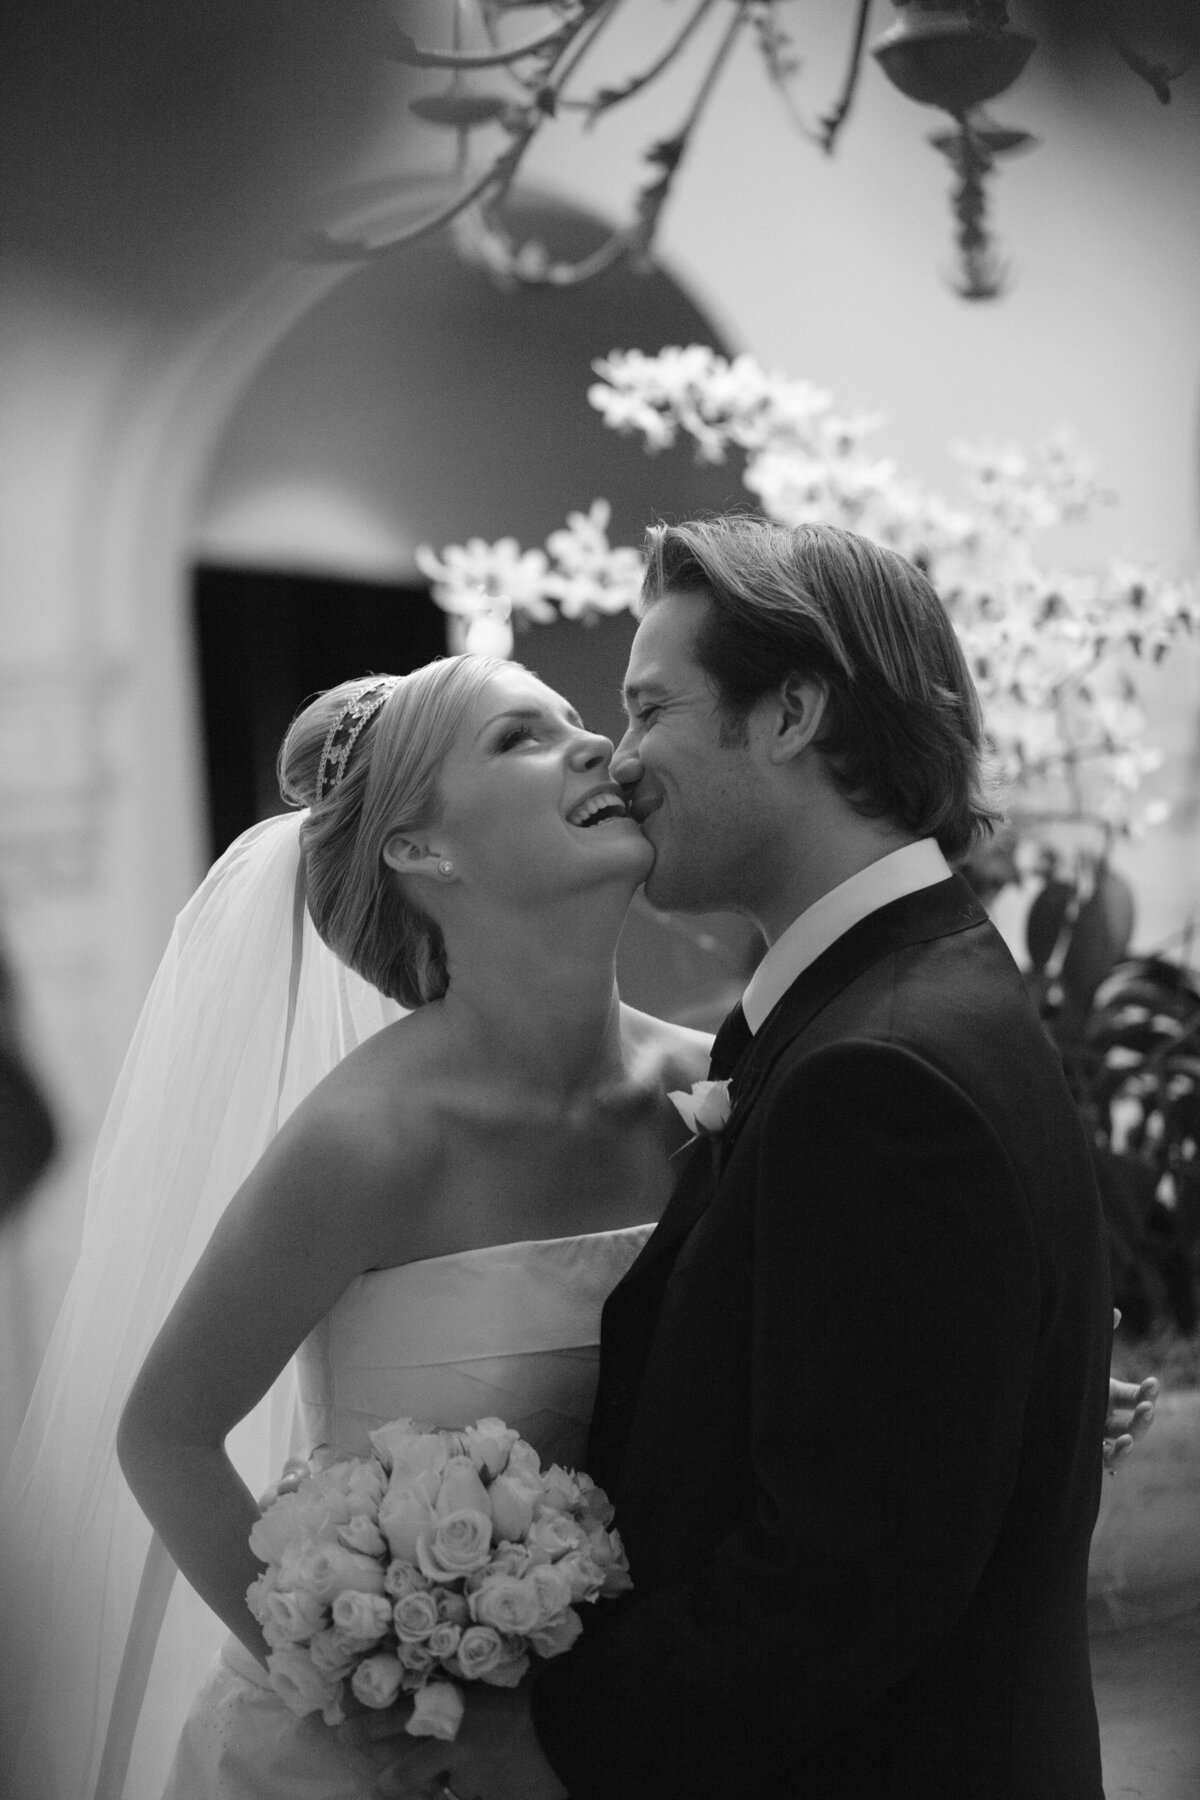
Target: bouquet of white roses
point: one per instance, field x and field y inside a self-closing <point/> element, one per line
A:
<point x="445" y="1554"/>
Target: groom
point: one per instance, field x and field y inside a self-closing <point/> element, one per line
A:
<point x="881" y="1601"/>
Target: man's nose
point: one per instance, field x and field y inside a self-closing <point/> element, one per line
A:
<point x="626" y="767"/>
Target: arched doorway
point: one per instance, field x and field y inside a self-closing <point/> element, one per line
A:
<point x="417" y="403"/>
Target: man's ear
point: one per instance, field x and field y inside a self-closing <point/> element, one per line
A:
<point x="797" y="715"/>
<point x="411" y="856"/>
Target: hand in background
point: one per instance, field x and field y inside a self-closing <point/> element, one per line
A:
<point x="1130" y="1413"/>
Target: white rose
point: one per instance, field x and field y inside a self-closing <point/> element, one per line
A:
<point x="443" y="1640"/>
<point x="388" y="1438"/>
<point x="554" y="1589"/>
<point x="553" y="1639"/>
<point x="418" y="1659"/>
<point x="507" y="1559"/>
<point x="560" y="1490"/>
<point x="332" y="1655"/>
<point x="298" y="1518"/>
<point x="356" y="1482"/>
<point x="361" y="1533"/>
<point x="303" y="1688"/>
<point x="595" y="1505"/>
<point x="400" y="1578"/>
<point x="608" y="1553"/>
<point x="437" y="1711"/>
<point x="705" y="1111"/>
<point x="257" y="1592"/>
<point x="553" y="1535"/>
<point x="479" y="1649"/>
<point x="523" y="1456"/>
<point x="376" y="1681"/>
<point x="452" y="1608"/>
<point x="415" y="1616"/>
<point x="319" y="1505"/>
<point x="513" y="1498"/>
<point x="365" y="1617"/>
<point x="582" y="1573"/>
<point x="508" y="1671"/>
<point x="509" y="1605"/>
<point x="326" y="1570"/>
<point x="290" y="1616"/>
<point x="488" y="1443"/>
<point x="408" y="1452"/>
<point x="405" y="1515"/>
<point x="460" y="1490"/>
<point x="458" y="1543"/>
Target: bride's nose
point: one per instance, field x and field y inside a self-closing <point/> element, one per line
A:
<point x="591" y="749"/>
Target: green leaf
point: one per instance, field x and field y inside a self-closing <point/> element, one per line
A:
<point x="1045" y="920"/>
<point x="1099" y="938"/>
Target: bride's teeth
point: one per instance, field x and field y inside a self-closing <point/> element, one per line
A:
<point x="599" y="804"/>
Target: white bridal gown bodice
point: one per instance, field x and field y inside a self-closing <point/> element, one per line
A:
<point x="510" y="1331"/>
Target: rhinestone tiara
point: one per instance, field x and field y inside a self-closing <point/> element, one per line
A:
<point x="343" y="734"/>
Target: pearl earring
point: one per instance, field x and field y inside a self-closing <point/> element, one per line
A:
<point x="445" y="867"/>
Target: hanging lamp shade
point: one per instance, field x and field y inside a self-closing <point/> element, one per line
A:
<point x="944" y="57"/>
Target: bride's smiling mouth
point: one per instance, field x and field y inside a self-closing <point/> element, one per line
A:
<point x="599" y="808"/>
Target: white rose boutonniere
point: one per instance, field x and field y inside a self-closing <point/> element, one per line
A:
<point x="706" y="1109"/>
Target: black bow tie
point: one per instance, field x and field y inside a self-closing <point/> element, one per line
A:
<point x="734" y="1037"/>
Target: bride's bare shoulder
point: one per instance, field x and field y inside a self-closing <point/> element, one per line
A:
<point x="679" y="1052"/>
<point x="378" y="1103"/>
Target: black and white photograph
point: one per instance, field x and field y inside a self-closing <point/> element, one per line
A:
<point x="600" y="900"/>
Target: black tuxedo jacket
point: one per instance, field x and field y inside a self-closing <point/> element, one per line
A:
<point x="850" y="1409"/>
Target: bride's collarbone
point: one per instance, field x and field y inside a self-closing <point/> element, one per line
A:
<point x="520" y="1162"/>
<point x="503" y="1104"/>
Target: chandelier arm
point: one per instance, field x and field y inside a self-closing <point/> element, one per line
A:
<point x="322" y="246"/>
<point x="603" y="16"/>
<point x="712" y="75"/>
<point x="1157" y="76"/>
<point x="607" y="98"/>
<point x="506" y="166"/>
<point x="400" y="47"/>
<point x="636" y="239"/>
<point x="564" y="275"/>
<point x="833" y="120"/>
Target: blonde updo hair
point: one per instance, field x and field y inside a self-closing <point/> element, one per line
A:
<point x="362" y="909"/>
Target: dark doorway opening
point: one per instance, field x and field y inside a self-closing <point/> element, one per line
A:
<point x="267" y="641"/>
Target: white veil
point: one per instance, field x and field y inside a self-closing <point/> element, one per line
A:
<point x="247" y="1012"/>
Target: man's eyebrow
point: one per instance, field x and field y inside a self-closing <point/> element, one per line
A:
<point x="636" y="691"/>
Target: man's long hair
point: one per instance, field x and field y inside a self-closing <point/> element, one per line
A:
<point x="902" y="734"/>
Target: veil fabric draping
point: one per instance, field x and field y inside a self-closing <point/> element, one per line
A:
<point x="248" y="1011"/>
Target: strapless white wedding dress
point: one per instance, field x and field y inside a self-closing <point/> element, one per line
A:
<point x="511" y="1331"/>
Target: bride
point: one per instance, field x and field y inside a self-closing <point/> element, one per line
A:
<point x="433" y="1228"/>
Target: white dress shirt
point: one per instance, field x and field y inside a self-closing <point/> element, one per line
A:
<point x="903" y="871"/>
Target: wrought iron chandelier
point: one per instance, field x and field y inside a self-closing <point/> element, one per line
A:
<point x="497" y="86"/>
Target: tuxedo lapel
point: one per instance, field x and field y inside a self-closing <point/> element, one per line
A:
<point x="692" y="1193"/>
<point x="937" y="911"/>
<point x="932" y="912"/>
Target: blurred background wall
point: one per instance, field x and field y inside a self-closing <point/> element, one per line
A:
<point x="217" y="458"/>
